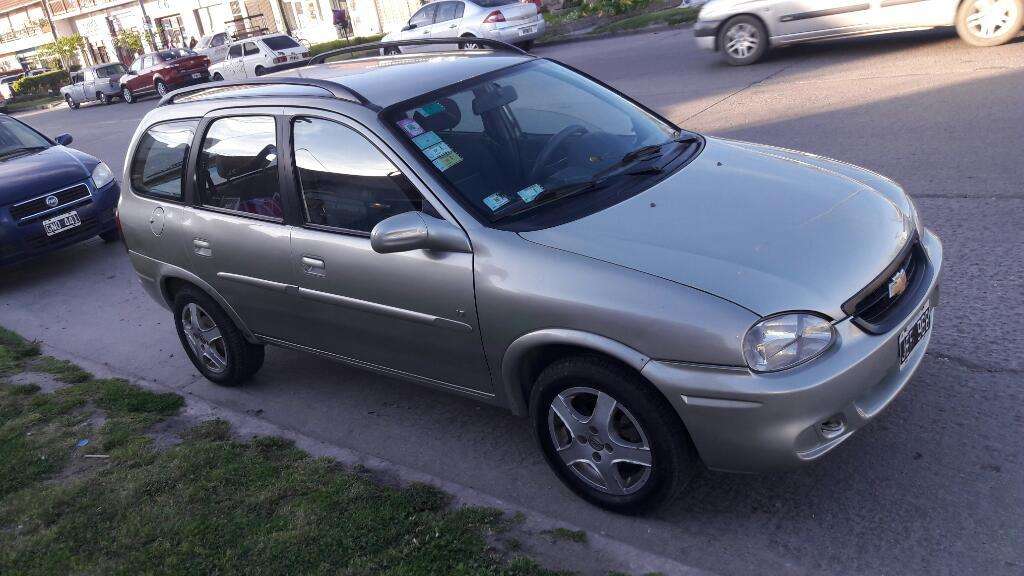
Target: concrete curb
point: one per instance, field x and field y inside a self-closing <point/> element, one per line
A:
<point x="572" y="39"/>
<point x="611" y="554"/>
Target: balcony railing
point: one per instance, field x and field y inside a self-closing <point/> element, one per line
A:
<point x="27" y="32"/>
<point x="58" y="7"/>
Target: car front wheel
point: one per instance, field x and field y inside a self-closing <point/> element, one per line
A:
<point x="71" y="102"/>
<point x="127" y="95"/>
<point x="989" y="22"/>
<point x="161" y="88"/>
<point x="743" y="40"/>
<point x="609" y="436"/>
<point x="216" y="347"/>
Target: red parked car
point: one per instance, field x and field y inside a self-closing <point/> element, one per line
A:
<point x="162" y="71"/>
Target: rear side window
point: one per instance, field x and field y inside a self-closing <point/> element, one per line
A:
<point x="235" y="51"/>
<point x="280" y="43"/>
<point x="237" y="168"/>
<point x="250" y="48"/>
<point x="159" y="165"/>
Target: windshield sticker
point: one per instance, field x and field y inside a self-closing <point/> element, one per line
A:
<point x="411" y="127"/>
<point x="448" y="160"/>
<point x="437" y="150"/>
<point x="426" y="140"/>
<point x="431" y="109"/>
<point x="528" y="194"/>
<point x="495" y="201"/>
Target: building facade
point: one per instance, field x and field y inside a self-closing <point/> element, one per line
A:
<point x="26" y="25"/>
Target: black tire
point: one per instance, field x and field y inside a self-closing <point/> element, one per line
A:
<point x="110" y="236"/>
<point x="673" y="459"/>
<point x="126" y="95"/>
<point x="71" y="102"/>
<point x="528" y="45"/>
<point x="391" y="51"/>
<point x="161" y="88"/>
<point x="259" y="71"/>
<point x="243" y="359"/>
<point x="104" y="98"/>
<point x="747" y="24"/>
<point x="1007" y="33"/>
<point x="217" y="77"/>
<point x="468" y="45"/>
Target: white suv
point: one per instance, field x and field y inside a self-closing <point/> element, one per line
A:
<point x="252" y="57"/>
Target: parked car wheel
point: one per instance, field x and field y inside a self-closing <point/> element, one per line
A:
<point x="71" y="102"/>
<point x="161" y="88"/>
<point x="215" y="345"/>
<point x="110" y="236"/>
<point x="104" y="98"/>
<point x="393" y="50"/>
<point x="127" y="95"/>
<point x="469" y="45"/>
<point x="528" y="45"/>
<point x="609" y="436"/>
<point x="217" y="77"/>
<point x="260" y="70"/>
<point x="743" y="40"/>
<point x="990" y="22"/>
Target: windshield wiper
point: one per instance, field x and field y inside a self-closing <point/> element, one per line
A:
<point x="20" y="151"/>
<point x="552" y="194"/>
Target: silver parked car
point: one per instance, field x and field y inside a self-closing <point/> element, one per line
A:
<point x="517" y="23"/>
<point x="744" y="30"/>
<point x="101" y="82"/>
<point x="504" y="228"/>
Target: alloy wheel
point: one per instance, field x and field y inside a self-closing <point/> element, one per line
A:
<point x="991" y="18"/>
<point x="204" y="338"/>
<point x="600" y="441"/>
<point x="127" y="95"/>
<point x="161" y="89"/>
<point x="742" y="40"/>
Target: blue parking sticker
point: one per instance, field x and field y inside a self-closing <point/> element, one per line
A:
<point x="431" y="109"/>
<point x="528" y="194"/>
<point x="426" y="140"/>
<point x="495" y="201"/>
<point x="437" y="150"/>
<point x="447" y="160"/>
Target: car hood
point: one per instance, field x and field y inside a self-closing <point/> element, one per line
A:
<point x="768" y="229"/>
<point x="46" y="171"/>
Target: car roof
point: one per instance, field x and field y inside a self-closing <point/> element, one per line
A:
<point x="387" y="80"/>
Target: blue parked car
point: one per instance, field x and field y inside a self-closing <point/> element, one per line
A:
<point x="51" y="196"/>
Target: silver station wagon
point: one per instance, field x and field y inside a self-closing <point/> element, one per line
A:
<point x="508" y="229"/>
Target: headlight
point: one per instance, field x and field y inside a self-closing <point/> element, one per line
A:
<point x="786" y="340"/>
<point x="101" y="175"/>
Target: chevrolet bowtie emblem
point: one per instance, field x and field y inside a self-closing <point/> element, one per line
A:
<point x="898" y="283"/>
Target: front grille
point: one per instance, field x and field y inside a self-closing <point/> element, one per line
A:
<point x="89" y="227"/>
<point x="31" y="209"/>
<point x="875" y="309"/>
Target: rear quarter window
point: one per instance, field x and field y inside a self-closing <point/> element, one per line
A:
<point x="158" y="168"/>
<point x="280" y="43"/>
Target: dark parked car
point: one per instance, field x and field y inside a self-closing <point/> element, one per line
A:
<point x="101" y="82"/>
<point x="51" y="196"/>
<point x="163" y="71"/>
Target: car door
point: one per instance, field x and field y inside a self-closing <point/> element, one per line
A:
<point x="446" y="21"/>
<point x="916" y="13"/>
<point x="88" y="84"/>
<point x="145" y="79"/>
<point x="218" y="47"/>
<point x="411" y="312"/>
<point x="810" y="18"/>
<point x="75" y="88"/>
<point x="421" y="23"/>
<point x="236" y="233"/>
<point x="231" y="69"/>
<point x="251" y="58"/>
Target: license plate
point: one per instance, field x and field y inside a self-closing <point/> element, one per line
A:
<point x="61" y="223"/>
<point x="525" y="31"/>
<point x="197" y="76"/>
<point x="914" y="333"/>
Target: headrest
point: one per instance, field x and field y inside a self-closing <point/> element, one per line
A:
<point x="446" y="119"/>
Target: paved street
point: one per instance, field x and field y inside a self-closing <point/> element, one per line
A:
<point x="935" y="486"/>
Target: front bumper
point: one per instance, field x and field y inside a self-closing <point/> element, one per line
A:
<point x="24" y="241"/>
<point x="705" y="34"/>
<point x="746" y="422"/>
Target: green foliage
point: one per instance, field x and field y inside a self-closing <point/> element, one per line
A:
<point x="611" y="7"/>
<point x="566" y="535"/>
<point x="41" y="85"/>
<point x="62" y="51"/>
<point x="130" y="40"/>
<point x="335" y="44"/>
<point x="670" y="17"/>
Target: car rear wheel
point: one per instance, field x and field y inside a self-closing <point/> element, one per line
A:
<point x="216" y="347"/>
<point x="161" y="88"/>
<point x="528" y="45"/>
<point x="127" y="95"/>
<point x="104" y="98"/>
<point x="989" y="22"/>
<point x="110" y="236"/>
<point x="217" y="77"/>
<point x="260" y="71"/>
<point x="71" y="102"/>
<point x="743" y="40"/>
<point x="470" y="45"/>
<point x="609" y="436"/>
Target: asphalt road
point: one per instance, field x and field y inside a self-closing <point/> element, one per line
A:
<point x="935" y="486"/>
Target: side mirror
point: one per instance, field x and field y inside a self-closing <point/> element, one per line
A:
<point x="64" y="139"/>
<point x="417" y="231"/>
<point x="408" y="27"/>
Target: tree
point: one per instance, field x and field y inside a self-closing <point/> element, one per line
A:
<point x="130" y="40"/>
<point x="62" y="50"/>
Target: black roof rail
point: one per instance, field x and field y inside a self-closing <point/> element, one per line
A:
<point x="335" y="89"/>
<point x="494" y="44"/>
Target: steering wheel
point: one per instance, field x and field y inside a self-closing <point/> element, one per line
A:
<point x="556" y="141"/>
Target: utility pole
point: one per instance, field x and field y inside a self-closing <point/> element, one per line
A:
<point x="148" y="24"/>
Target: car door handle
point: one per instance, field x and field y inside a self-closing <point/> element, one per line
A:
<point x="202" y="247"/>
<point x="313" y="266"/>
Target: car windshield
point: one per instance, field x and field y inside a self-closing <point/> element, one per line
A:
<point x="108" y="71"/>
<point x="280" y="43"/>
<point x="509" y="141"/>
<point x="175" y="53"/>
<point x="17" y="139"/>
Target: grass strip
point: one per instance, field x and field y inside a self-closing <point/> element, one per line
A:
<point x="670" y="17"/>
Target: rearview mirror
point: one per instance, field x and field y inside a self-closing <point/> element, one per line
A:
<point x="408" y="27"/>
<point x="64" y="139"/>
<point x="417" y="231"/>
